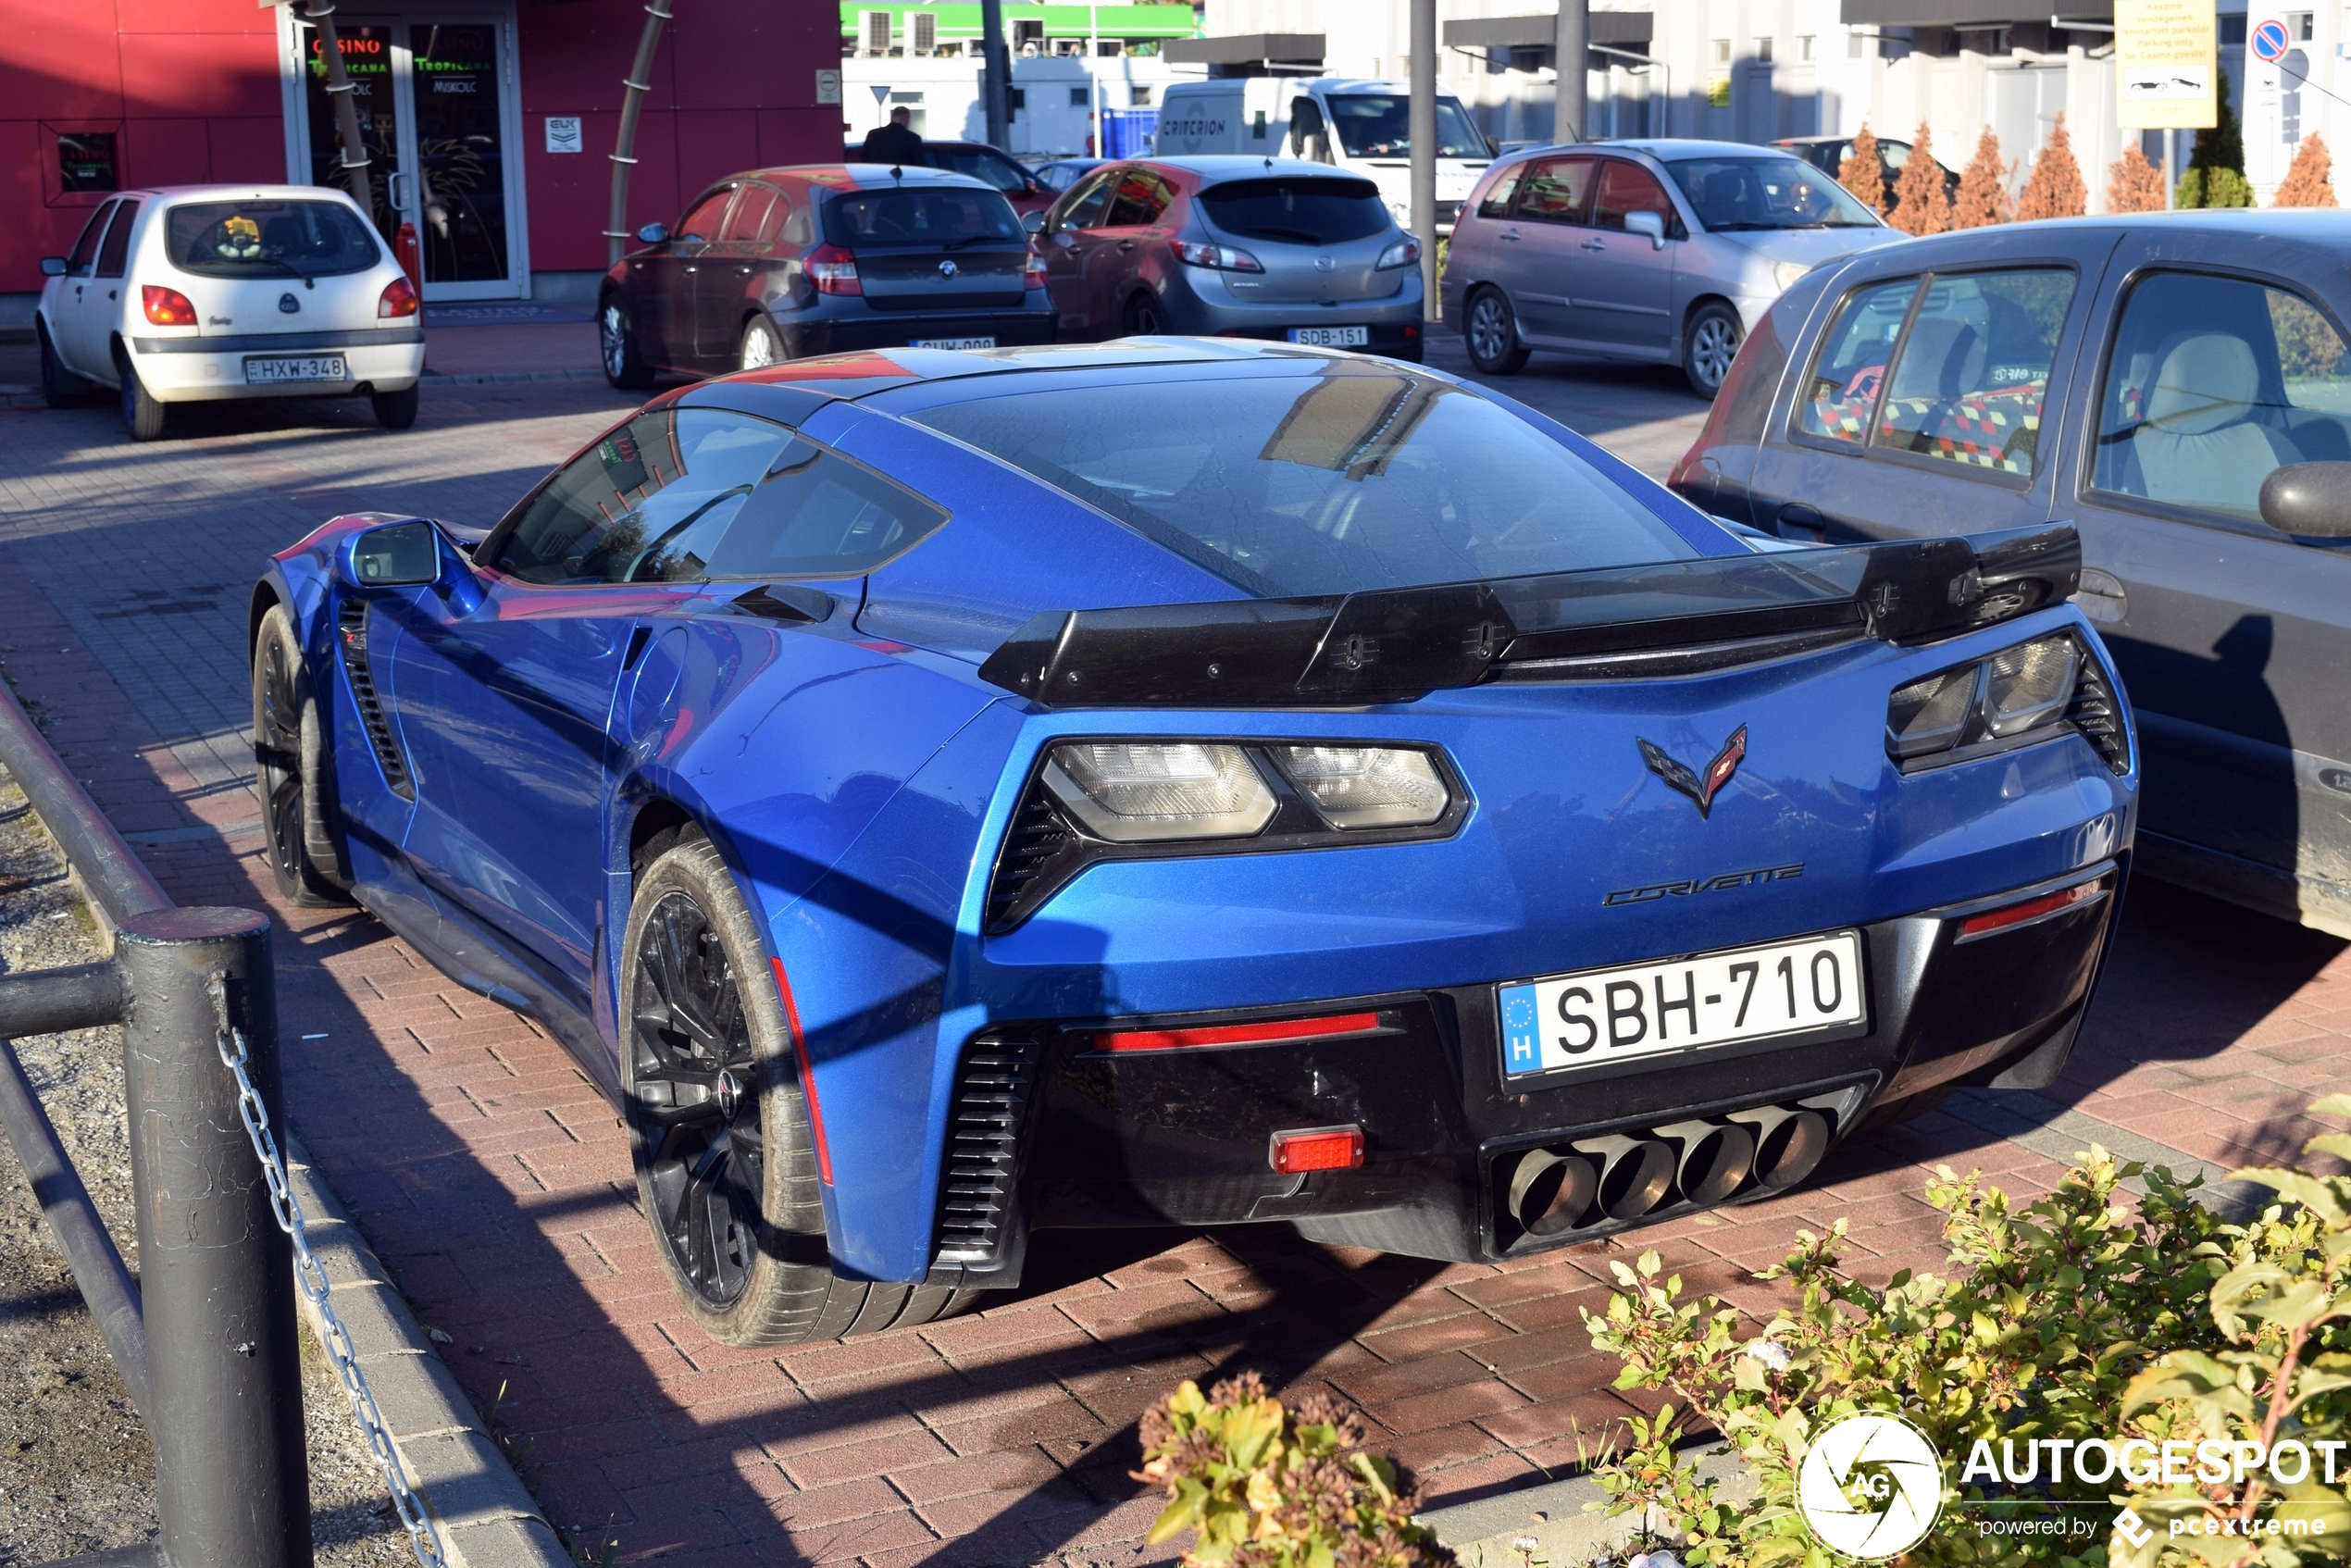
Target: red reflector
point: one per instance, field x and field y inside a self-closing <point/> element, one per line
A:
<point x="2031" y="909"/>
<point x="1267" y="1032"/>
<point x="1317" y="1148"/>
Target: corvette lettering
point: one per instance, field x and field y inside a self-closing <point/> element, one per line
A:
<point x="1705" y="885"/>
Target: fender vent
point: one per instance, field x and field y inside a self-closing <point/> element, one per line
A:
<point x="351" y="628"/>
<point x="1032" y="847"/>
<point x="979" y="1179"/>
<point x="2097" y="715"/>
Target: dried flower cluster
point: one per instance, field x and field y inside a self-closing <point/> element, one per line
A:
<point x="1269" y="1488"/>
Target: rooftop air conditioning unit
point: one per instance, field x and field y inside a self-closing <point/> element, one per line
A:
<point x="874" y="31"/>
<point x="926" y="27"/>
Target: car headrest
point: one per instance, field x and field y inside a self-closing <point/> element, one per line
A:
<point x="2206" y="381"/>
<point x="1943" y="359"/>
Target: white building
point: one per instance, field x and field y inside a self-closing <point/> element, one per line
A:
<point x="1052" y="117"/>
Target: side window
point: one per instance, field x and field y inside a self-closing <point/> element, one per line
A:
<point x="702" y="220"/>
<point x="1628" y="187"/>
<point x="1001" y="172"/>
<point x="754" y="217"/>
<point x="799" y="220"/>
<point x="2212" y="382"/>
<point x="1841" y="392"/>
<point x="86" y="249"/>
<point x="1141" y="198"/>
<point x="1496" y="202"/>
<point x="644" y="503"/>
<point x="1968" y="383"/>
<point x="815" y="513"/>
<point x="1307" y="139"/>
<point x="1082" y="208"/>
<point x="1554" y="189"/>
<point x="116" y="252"/>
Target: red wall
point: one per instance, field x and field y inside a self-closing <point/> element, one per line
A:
<point x="189" y="88"/>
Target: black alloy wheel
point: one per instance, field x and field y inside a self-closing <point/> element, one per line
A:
<point x="698" y="1096"/>
<point x="1146" y="317"/>
<point x="289" y="755"/>
<point x="1491" y="334"/>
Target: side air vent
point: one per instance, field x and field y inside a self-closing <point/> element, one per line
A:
<point x="980" y="1177"/>
<point x="2100" y="718"/>
<point x="1033" y="848"/>
<point x="351" y="627"/>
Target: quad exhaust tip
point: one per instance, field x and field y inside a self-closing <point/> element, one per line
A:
<point x="1698" y="1164"/>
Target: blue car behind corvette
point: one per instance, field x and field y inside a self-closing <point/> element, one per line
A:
<point x="941" y="795"/>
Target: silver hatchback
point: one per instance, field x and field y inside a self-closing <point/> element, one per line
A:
<point x="1659" y="249"/>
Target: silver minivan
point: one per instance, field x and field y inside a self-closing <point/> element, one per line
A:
<point x="1657" y="250"/>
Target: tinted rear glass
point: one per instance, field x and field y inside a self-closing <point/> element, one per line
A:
<point x="268" y="239"/>
<point x="1355" y="477"/>
<point x="1303" y="211"/>
<point x="919" y="217"/>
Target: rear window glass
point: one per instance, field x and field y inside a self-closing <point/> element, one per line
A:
<point x="682" y="495"/>
<point x="1307" y="211"/>
<point x="289" y="239"/>
<point x="1355" y="477"/>
<point x="919" y="217"/>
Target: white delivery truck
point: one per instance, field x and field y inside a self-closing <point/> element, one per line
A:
<point x="1363" y="127"/>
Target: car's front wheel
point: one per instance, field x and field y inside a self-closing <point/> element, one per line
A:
<point x="625" y="363"/>
<point x="142" y="416"/>
<point x="760" y="346"/>
<point x="296" y="782"/>
<point x="719" y="1125"/>
<point x="1491" y="335"/>
<point x="1709" y="346"/>
<point x="395" y="410"/>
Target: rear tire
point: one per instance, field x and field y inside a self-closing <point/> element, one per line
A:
<point x="395" y="410"/>
<point x="297" y="786"/>
<point x="1708" y="345"/>
<point x="1146" y="317"/>
<point x="761" y="345"/>
<point x="142" y="416"/>
<point x="60" y="388"/>
<point x="719" y="1124"/>
<point x="1490" y="333"/>
<point x="625" y="365"/>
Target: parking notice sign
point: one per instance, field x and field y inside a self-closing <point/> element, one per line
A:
<point x="2166" y="60"/>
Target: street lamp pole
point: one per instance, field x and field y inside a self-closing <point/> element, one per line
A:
<point x="1421" y="127"/>
<point x="995" y="74"/>
<point x="1572" y="44"/>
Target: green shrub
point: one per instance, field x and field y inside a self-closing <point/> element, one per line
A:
<point x="2078" y="1315"/>
<point x="1267" y="1488"/>
<point x="2215" y="188"/>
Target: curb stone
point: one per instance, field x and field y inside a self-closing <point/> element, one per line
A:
<point x="1480" y="1533"/>
<point x="486" y="1517"/>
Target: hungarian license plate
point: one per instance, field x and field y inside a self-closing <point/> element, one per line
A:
<point x="296" y="367"/>
<point x="954" y="342"/>
<point x="1604" y="1015"/>
<point x="1331" y="337"/>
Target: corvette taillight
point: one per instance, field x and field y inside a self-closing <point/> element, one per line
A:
<point x="398" y="299"/>
<point x="834" y="270"/>
<point x="167" y="307"/>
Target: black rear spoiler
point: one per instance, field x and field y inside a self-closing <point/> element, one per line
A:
<point x="1398" y="644"/>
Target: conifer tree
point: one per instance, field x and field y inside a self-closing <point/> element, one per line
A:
<point x="1863" y="174"/>
<point x="2054" y="188"/>
<point x="2133" y="184"/>
<point x="1984" y="198"/>
<point x="2215" y="176"/>
<point x="2311" y="183"/>
<point x="1920" y="205"/>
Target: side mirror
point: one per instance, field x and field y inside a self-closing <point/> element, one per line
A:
<point x="653" y="233"/>
<point x="1034" y="222"/>
<point x="52" y="266"/>
<point x="397" y="556"/>
<point x="2310" y="499"/>
<point x="1649" y="223"/>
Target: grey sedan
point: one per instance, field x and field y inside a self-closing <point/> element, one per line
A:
<point x="2177" y="386"/>
<point x="1232" y="247"/>
<point x="1667" y="250"/>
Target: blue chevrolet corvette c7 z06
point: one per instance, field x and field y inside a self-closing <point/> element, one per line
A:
<point x="941" y="795"/>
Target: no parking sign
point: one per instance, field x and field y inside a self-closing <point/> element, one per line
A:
<point x="2269" y="42"/>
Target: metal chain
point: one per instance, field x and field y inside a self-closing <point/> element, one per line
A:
<point x="312" y="1276"/>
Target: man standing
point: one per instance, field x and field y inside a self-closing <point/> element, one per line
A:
<point x="894" y="143"/>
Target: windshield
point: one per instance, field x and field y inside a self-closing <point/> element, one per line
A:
<point x="1378" y="125"/>
<point x="917" y="216"/>
<point x="1315" y="211"/>
<point x="268" y="239"/>
<point x="1355" y="477"/>
<point x="1766" y="192"/>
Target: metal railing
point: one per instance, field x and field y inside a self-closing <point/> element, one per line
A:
<point x="206" y="1338"/>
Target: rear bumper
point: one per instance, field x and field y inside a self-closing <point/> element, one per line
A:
<point x="185" y="370"/>
<point x="1011" y="328"/>
<point x="1181" y="1136"/>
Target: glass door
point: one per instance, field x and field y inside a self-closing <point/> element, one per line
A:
<point x="436" y="112"/>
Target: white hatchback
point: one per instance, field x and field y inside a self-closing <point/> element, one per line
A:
<point x="196" y="294"/>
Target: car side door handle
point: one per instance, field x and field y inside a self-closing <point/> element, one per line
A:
<point x="1595" y="245"/>
<point x="1126" y="245"/>
<point x="1799" y="521"/>
<point x="1511" y="236"/>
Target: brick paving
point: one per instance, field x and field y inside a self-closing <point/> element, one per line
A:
<point x="496" y="1184"/>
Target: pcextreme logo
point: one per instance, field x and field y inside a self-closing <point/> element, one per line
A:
<point x="1871" y="1485"/>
